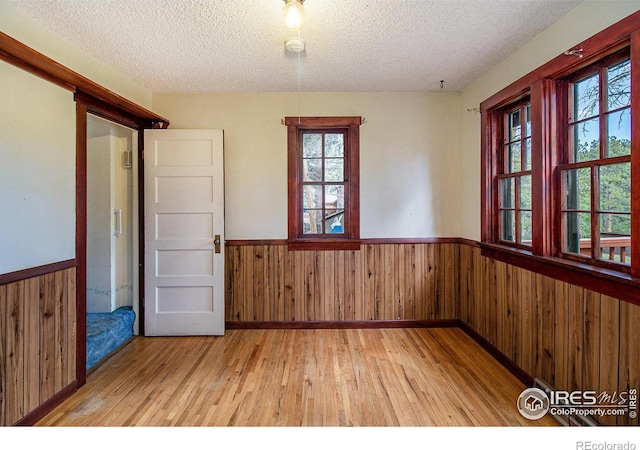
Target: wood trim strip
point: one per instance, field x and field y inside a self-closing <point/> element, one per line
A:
<point x="81" y="242"/>
<point x="111" y="113"/>
<point x="31" y="272"/>
<point x="368" y="241"/>
<point x="357" y="324"/>
<point x="244" y="242"/>
<point x="615" y="284"/>
<point x="512" y="367"/>
<point x="45" y="408"/>
<point x="26" y="58"/>
<point x="426" y="240"/>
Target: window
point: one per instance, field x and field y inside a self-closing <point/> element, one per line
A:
<point x="596" y="169"/>
<point x="323" y="191"/>
<point x="561" y="168"/>
<point x="514" y="179"/>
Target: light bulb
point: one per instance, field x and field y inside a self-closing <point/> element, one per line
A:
<point x="293" y="13"/>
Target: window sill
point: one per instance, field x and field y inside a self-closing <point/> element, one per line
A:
<point x="324" y="244"/>
<point x="608" y="282"/>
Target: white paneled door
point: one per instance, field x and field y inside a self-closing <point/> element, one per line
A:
<point x="184" y="232"/>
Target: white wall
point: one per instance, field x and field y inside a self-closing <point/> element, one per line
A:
<point x="37" y="147"/>
<point x="37" y="171"/>
<point x="579" y="24"/>
<point x="408" y="170"/>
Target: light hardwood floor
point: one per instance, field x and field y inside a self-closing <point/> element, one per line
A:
<point x="366" y="377"/>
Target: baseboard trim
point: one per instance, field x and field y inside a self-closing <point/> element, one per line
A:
<point x="512" y="367"/>
<point x="34" y="416"/>
<point x="354" y="324"/>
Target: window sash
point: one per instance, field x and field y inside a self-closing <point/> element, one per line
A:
<point x="581" y="234"/>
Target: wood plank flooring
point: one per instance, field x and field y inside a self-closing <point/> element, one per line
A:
<point x="365" y="377"/>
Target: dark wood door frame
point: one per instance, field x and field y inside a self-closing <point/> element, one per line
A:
<point x="95" y="99"/>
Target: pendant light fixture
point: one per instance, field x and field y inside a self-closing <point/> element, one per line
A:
<point x="293" y="13"/>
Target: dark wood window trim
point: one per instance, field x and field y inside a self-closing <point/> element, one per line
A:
<point x="544" y="87"/>
<point x="350" y="240"/>
<point x="505" y="172"/>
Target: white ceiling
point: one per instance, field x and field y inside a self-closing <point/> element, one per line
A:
<point x="352" y="45"/>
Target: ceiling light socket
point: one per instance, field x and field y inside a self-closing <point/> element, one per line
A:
<point x="294" y="45"/>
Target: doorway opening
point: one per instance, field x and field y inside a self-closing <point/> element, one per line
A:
<point x="112" y="238"/>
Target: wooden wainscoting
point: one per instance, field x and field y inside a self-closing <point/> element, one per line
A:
<point x="37" y="341"/>
<point x="568" y="336"/>
<point x="392" y="281"/>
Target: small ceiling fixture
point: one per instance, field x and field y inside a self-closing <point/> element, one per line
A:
<point x="293" y="13"/>
<point x="294" y="45"/>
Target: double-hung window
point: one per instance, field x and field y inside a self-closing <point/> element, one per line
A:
<point x="323" y="191"/>
<point x="561" y="166"/>
<point x="596" y="165"/>
<point x="514" y="179"/>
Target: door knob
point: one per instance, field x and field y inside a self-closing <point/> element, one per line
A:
<point x="216" y="243"/>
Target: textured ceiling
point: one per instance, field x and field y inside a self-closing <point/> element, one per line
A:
<point x="352" y="45"/>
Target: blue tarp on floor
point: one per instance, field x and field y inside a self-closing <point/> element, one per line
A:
<point x="106" y="332"/>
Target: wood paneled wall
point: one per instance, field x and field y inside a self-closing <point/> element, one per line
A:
<point x="379" y="282"/>
<point x="37" y="341"/>
<point x="566" y="335"/>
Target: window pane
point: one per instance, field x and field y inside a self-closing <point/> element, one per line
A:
<point x="508" y="195"/>
<point x="578" y="233"/>
<point x="312" y="221"/>
<point x="334" y="197"/>
<point x="508" y="231"/>
<point x="335" y="222"/>
<point x="586" y="140"/>
<point x="334" y="208"/>
<point x="525" y="227"/>
<point x="527" y="155"/>
<point x="619" y="132"/>
<point x="615" y="237"/>
<point x="515" y="158"/>
<point x="612" y="225"/>
<point x="586" y="98"/>
<point x="615" y="187"/>
<point x="514" y="126"/>
<point x="312" y="197"/>
<point x="312" y="145"/>
<point x="525" y="192"/>
<point x="312" y="169"/>
<point x="527" y="131"/>
<point x="334" y="145"/>
<point x="619" y="85"/>
<point x="334" y="169"/>
<point x="578" y="189"/>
